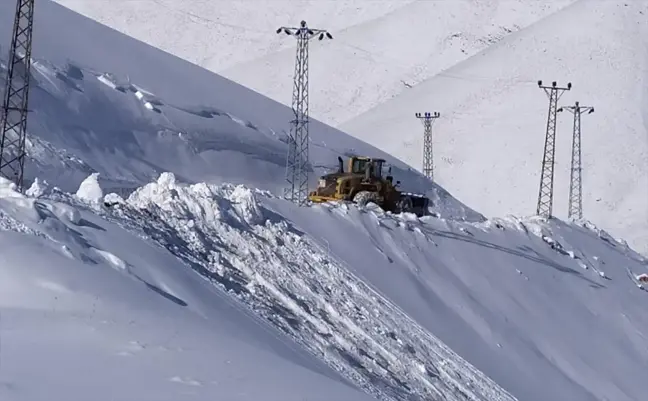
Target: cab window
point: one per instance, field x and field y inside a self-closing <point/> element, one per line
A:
<point x="359" y="166"/>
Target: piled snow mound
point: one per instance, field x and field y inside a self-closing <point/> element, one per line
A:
<point x="90" y="190"/>
<point x="226" y="235"/>
<point x="202" y="202"/>
<point x="129" y="318"/>
<point x="38" y="188"/>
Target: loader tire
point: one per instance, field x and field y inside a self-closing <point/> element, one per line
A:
<point x="363" y="198"/>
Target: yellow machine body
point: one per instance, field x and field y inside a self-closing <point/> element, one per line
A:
<point x="363" y="174"/>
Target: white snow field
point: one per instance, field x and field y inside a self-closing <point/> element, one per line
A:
<point x="91" y="311"/>
<point x="152" y="259"/>
<point x="494" y="117"/>
<point x="475" y="61"/>
<point x="107" y="106"/>
<point x="380" y="47"/>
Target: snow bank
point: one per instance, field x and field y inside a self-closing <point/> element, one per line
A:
<point x="205" y="203"/>
<point x="228" y="236"/>
<point x="129" y="317"/>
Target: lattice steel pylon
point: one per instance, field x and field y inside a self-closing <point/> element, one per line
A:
<point x="297" y="162"/>
<point x="545" y="194"/>
<point x="575" y="211"/>
<point x="428" y="159"/>
<point x="16" y="95"/>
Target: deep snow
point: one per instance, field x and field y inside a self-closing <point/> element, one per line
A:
<point x="125" y="118"/>
<point x="380" y="48"/>
<point x="493" y="122"/>
<point x="398" y="306"/>
<point x="90" y="310"/>
<point x="358" y="288"/>
<point x="475" y="61"/>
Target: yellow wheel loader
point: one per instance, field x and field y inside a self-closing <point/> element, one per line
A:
<point x="363" y="183"/>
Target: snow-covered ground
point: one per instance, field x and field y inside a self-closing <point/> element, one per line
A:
<point x="475" y="61"/>
<point x="380" y="47"/>
<point x="493" y="122"/>
<point x="180" y="289"/>
<point x="548" y="311"/>
<point x="90" y="310"/>
<point x="104" y="102"/>
<point x="361" y="290"/>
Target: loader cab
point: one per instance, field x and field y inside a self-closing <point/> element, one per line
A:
<point x="358" y="165"/>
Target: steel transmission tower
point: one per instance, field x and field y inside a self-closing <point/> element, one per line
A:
<point x="545" y="195"/>
<point x="298" y="139"/>
<point x="428" y="160"/>
<point x="16" y="95"/>
<point x="575" y="182"/>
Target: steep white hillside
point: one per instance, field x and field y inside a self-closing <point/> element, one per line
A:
<point x="98" y="108"/>
<point x="488" y="143"/>
<point x="123" y="298"/>
<point x="360" y="289"/>
<point x="90" y="310"/>
<point x="380" y="48"/>
<point x="548" y="311"/>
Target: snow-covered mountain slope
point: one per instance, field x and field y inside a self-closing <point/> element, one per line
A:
<point x="494" y="117"/>
<point x="548" y="311"/>
<point x="380" y="48"/>
<point x="477" y="62"/>
<point x="89" y="310"/>
<point x="362" y="290"/>
<point x="100" y="108"/>
<point x="404" y="309"/>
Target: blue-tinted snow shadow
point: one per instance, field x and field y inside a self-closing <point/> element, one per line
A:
<point x="86" y="223"/>
<point x="161" y="292"/>
<point x="537" y="258"/>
